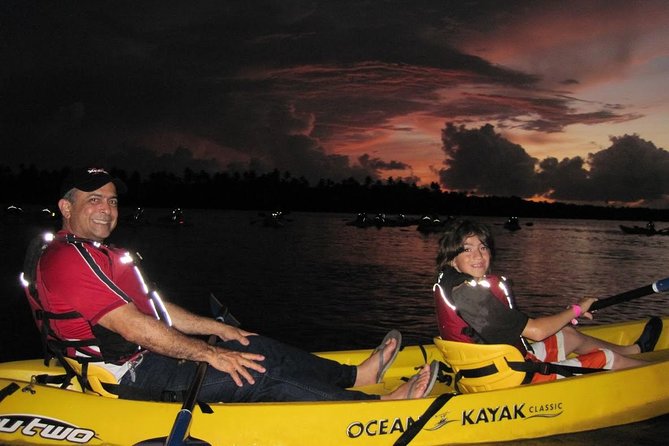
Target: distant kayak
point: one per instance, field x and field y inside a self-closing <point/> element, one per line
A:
<point x="643" y="230"/>
<point x="381" y="220"/>
<point x="512" y="224"/>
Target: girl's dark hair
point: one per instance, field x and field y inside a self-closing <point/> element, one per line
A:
<point x="450" y="244"/>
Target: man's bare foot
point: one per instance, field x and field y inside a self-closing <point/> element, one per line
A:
<point x="416" y="387"/>
<point x="369" y="370"/>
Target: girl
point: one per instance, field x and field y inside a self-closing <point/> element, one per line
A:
<point x="481" y="310"/>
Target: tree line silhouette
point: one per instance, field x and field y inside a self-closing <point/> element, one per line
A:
<point x="281" y="191"/>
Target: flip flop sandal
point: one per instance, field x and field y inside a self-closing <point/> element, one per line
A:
<point x="434" y="372"/>
<point x="383" y="367"/>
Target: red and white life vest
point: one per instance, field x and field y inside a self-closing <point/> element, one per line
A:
<point x="451" y="325"/>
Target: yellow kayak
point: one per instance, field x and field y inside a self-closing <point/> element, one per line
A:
<point x="41" y="414"/>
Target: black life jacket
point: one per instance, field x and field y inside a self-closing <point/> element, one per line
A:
<point x="453" y="327"/>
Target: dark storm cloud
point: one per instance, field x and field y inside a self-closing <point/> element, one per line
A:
<point x="630" y="170"/>
<point x="566" y="179"/>
<point x="481" y="161"/>
<point x="144" y="160"/>
<point x="378" y="164"/>
<point x="84" y="78"/>
<point x="549" y="114"/>
<point x="260" y="83"/>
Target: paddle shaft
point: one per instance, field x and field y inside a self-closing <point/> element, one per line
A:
<point x="181" y="426"/>
<point x="180" y="429"/>
<point x="658" y="286"/>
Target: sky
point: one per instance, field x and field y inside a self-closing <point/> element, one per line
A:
<point x="546" y="100"/>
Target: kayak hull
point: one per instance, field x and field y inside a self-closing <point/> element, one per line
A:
<point x="50" y="415"/>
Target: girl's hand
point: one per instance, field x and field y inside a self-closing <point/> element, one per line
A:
<point x="585" y="305"/>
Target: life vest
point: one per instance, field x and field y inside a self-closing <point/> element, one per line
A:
<point x="451" y="325"/>
<point x="480" y="367"/>
<point x="116" y="349"/>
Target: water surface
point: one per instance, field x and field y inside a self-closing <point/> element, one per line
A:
<point x="322" y="285"/>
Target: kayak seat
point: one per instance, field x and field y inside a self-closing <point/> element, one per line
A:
<point x="96" y="377"/>
<point x="481" y="367"/>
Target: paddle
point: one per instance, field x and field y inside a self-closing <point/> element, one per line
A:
<point x="658" y="286"/>
<point x="179" y="434"/>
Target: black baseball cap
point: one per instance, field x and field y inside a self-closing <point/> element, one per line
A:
<point x="89" y="179"/>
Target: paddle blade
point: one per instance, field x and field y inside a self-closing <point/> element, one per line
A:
<point x="661" y="285"/>
<point x="180" y="428"/>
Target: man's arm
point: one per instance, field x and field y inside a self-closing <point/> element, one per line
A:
<point x="189" y="323"/>
<point x="156" y="337"/>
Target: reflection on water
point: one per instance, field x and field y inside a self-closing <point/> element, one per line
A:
<point x="318" y="273"/>
<point x="322" y="285"/>
<point x="558" y="260"/>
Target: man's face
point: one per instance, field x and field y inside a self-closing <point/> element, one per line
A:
<point x="92" y="215"/>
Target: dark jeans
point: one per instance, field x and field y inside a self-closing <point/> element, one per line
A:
<point x="292" y="375"/>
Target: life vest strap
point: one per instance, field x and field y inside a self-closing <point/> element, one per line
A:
<point x="64" y="380"/>
<point x="69" y="315"/>
<point x="529" y="367"/>
<point x="479" y="372"/>
<point x="548" y="368"/>
<point x="480" y="367"/>
<point x="8" y="390"/>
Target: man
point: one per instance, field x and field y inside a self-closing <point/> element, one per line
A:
<point x="115" y="313"/>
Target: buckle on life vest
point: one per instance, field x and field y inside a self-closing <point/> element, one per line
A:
<point x="543" y="368"/>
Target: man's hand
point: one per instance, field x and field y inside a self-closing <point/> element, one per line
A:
<point x="229" y="333"/>
<point x="236" y="364"/>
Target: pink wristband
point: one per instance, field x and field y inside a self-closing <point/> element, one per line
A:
<point x="577" y="312"/>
